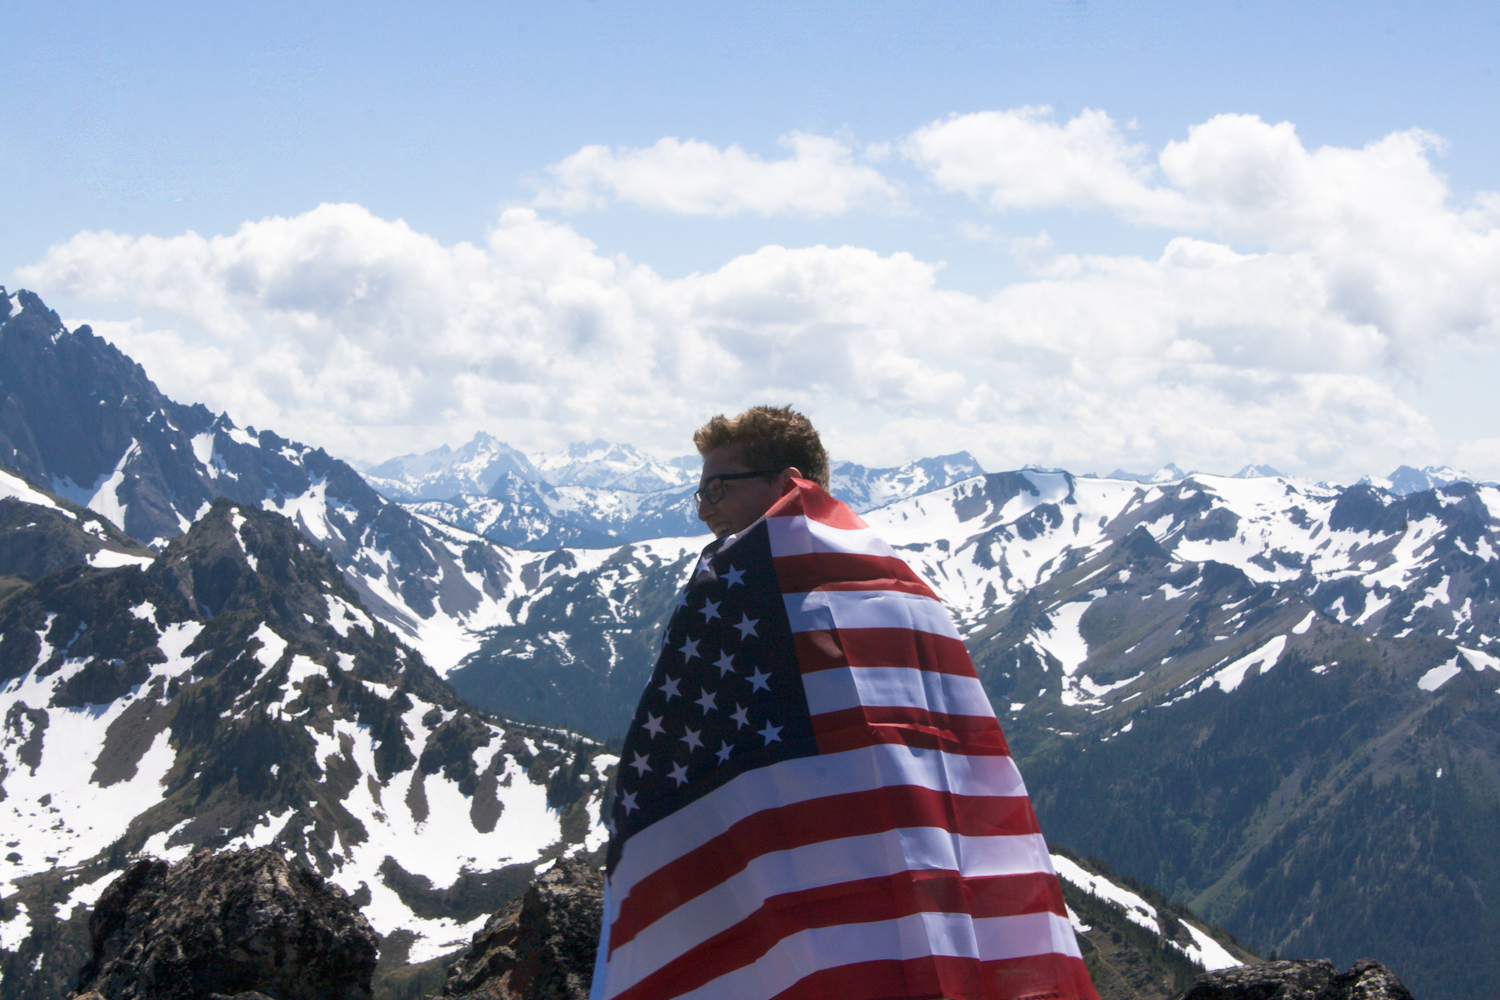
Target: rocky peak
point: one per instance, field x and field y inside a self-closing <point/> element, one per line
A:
<point x="226" y="924"/>
<point x="1300" y="980"/>
<point x="541" y="948"/>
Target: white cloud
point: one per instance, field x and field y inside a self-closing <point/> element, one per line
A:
<point x="1271" y="330"/>
<point x="819" y="178"/>
<point x="1021" y="159"/>
<point x="349" y="331"/>
<point x="1372" y="231"/>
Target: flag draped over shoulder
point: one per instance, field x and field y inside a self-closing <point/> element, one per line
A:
<point x="815" y="798"/>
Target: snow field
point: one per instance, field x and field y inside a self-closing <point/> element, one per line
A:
<point x="1230" y="677"/>
<point x="57" y="816"/>
<point x="1207" y="952"/>
<point x="14" y="486"/>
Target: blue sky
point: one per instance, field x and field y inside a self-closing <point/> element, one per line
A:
<point x="586" y="219"/>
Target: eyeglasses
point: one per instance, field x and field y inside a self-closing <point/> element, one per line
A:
<point x="712" y="491"/>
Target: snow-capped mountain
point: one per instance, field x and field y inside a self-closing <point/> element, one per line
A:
<point x="1168" y="473"/>
<point x="1184" y="649"/>
<point x="1408" y="480"/>
<point x="866" y="489"/>
<point x="235" y="691"/>
<point x="610" y="466"/>
<point x="83" y="420"/>
<point x="447" y="472"/>
<point x="566" y="510"/>
<point x="540" y="516"/>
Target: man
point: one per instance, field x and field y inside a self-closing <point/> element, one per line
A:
<point x="749" y="463"/>
<point x="814" y="799"/>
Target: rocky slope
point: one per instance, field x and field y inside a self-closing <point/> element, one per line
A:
<point x="235" y="692"/>
<point x="81" y="420"/>
<point x="226" y="924"/>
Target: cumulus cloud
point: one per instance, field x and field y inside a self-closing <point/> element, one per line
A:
<point x="1022" y="159"/>
<point x="1372" y="232"/>
<point x="359" y="334"/>
<point x="821" y="177"/>
<point x="1269" y="329"/>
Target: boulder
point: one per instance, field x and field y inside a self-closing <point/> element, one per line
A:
<point x="1299" y="979"/>
<point x="541" y="948"/>
<point x="236" y="924"/>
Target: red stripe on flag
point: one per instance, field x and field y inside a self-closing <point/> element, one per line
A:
<point x="808" y="500"/>
<point x="832" y="817"/>
<point x="882" y="647"/>
<point x="863" y="901"/>
<point x="1036" y="977"/>
<point x="867" y="725"/>
<point x="847" y="571"/>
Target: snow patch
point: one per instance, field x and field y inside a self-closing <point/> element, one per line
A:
<point x="1440" y="675"/>
<point x="110" y="559"/>
<point x="1230" y="677"/>
<point x="1065" y="641"/>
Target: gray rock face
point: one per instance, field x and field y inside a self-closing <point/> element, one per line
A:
<point x="232" y="924"/>
<point x="541" y="949"/>
<point x="1300" y="980"/>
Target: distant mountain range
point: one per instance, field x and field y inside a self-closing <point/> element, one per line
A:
<point x="1277" y="700"/>
<point x="597" y="494"/>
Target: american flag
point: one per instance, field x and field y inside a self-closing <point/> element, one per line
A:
<point x="815" y="799"/>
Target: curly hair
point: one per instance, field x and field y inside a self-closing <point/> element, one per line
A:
<point x="769" y="437"/>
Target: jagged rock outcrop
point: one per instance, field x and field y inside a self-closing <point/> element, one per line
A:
<point x="1300" y="980"/>
<point x="231" y="923"/>
<point x="541" y="949"/>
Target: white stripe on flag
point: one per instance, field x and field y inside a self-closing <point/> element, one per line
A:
<point x="802" y="536"/>
<point x="828" y="863"/>
<point x="850" y="687"/>
<point x="822" y="610"/>
<point x="803" y="779"/>
<point x="796" y="957"/>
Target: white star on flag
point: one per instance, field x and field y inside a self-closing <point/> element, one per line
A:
<point x="689" y="649"/>
<point x="742" y="717"/>
<point x="725" y="663"/>
<point x="710" y="610"/>
<point x="670" y="687"/>
<point x="679" y="774"/>
<point x="692" y="739"/>
<point x="706" y="702"/>
<point x="771" y="734"/>
<point x="747" y="627"/>
<point x="640" y="765"/>
<point x="735" y="576"/>
<point x="723" y="751"/>
<point x="653" y="724"/>
<point x="760" y="681"/>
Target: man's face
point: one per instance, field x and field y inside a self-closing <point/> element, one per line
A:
<point x="744" y="500"/>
